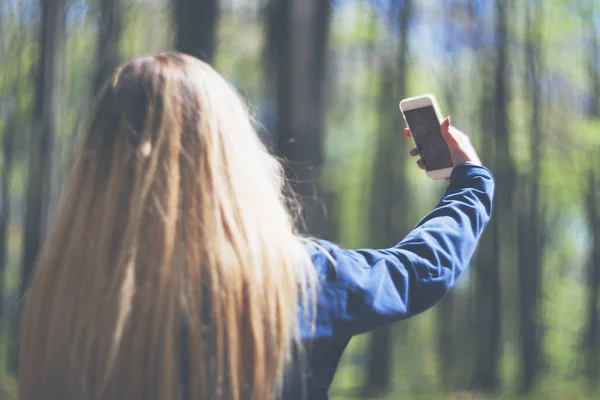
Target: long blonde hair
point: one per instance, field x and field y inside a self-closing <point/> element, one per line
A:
<point x="174" y="234"/>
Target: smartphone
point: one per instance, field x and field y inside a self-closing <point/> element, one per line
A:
<point x="423" y="119"/>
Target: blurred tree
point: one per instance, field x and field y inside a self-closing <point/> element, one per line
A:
<point x="487" y="274"/>
<point x="503" y="163"/>
<point x="110" y="27"/>
<point x="297" y="38"/>
<point x="8" y="116"/>
<point x="41" y="190"/>
<point x="446" y="343"/>
<point x="591" y="339"/>
<point x="196" y="26"/>
<point x="389" y="187"/>
<point x="591" y="332"/>
<point x="10" y="130"/>
<point x="530" y="213"/>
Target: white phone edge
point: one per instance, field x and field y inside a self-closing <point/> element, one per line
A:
<point x="425" y="100"/>
<point x="439" y="173"/>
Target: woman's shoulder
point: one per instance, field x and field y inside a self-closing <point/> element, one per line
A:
<point x="323" y="254"/>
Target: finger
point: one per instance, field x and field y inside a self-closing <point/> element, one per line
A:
<point x="407" y="132"/>
<point x="445" y="127"/>
<point x="420" y="164"/>
<point x="414" y="152"/>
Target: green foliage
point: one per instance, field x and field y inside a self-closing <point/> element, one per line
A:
<point x="239" y="56"/>
<point x="147" y="29"/>
<point x="354" y="24"/>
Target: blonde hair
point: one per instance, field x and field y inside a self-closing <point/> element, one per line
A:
<point x="174" y="221"/>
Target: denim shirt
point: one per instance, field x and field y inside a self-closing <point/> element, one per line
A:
<point x="365" y="289"/>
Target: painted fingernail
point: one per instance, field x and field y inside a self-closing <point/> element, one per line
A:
<point x="447" y="121"/>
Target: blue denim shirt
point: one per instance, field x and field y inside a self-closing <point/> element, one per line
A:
<point x="365" y="289"/>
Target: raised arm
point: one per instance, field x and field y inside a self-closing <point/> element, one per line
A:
<point x="361" y="290"/>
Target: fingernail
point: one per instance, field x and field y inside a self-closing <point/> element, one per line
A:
<point x="447" y="122"/>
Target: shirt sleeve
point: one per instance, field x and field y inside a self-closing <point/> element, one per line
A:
<point x="360" y="290"/>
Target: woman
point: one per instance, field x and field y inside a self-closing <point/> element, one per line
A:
<point x="173" y="270"/>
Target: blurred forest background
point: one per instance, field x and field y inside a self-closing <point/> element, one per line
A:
<point x="522" y="77"/>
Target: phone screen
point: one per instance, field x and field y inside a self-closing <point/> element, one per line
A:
<point x="425" y="128"/>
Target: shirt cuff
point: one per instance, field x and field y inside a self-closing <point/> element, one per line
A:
<point x="467" y="171"/>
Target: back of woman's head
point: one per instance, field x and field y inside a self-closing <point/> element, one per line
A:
<point x="173" y="253"/>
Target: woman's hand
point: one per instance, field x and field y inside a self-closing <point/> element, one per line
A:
<point x="461" y="149"/>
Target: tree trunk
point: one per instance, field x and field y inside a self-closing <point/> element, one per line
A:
<point x="487" y="308"/>
<point x="379" y="361"/>
<point x="196" y="27"/>
<point x="487" y="324"/>
<point x="7" y="168"/>
<point x="41" y="191"/>
<point x="592" y="332"/>
<point x="389" y="193"/>
<point x="487" y="274"/>
<point x="591" y="338"/>
<point x="110" y="28"/>
<point x="504" y="163"/>
<point x="528" y="228"/>
<point x="446" y="342"/>
<point x="297" y="37"/>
